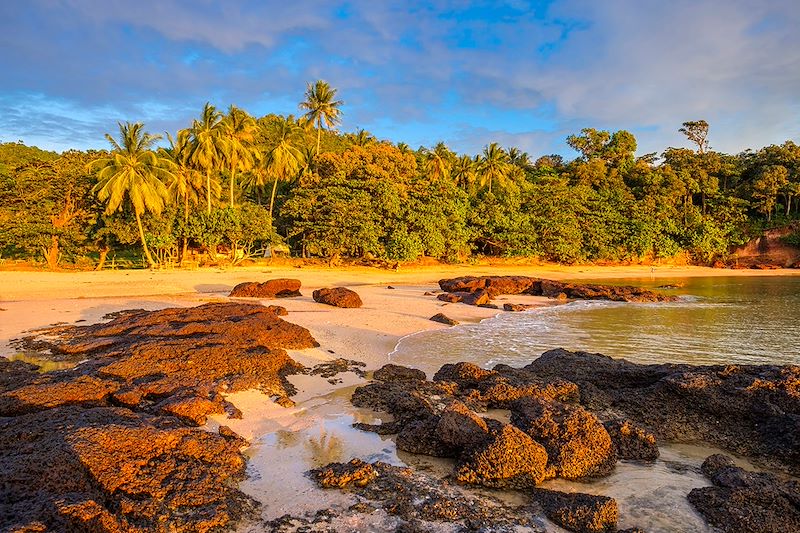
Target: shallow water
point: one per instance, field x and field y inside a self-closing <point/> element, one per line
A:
<point x="716" y="321"/>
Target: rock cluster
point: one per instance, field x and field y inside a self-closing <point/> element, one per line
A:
<point x="338" y="297"/>
<point x="746" y="501"/>
<point x="109" y="445"/>
<point x="274" y="288"/>
<point x="481" y="290"/>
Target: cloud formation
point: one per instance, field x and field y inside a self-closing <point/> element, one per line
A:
<point x="523" y="73"/>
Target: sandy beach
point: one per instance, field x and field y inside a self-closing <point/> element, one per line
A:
<point x="285" y="442"/>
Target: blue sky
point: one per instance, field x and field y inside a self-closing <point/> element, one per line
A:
<point x="522" y="73"/>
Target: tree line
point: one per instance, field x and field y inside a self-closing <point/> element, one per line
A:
<point x="234" y="186"/>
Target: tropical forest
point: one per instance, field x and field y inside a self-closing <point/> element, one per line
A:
<point x="232" y="187"/>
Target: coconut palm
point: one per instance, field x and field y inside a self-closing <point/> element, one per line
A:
<point x="361" y="138"/>
<point x="187" y="184"/>
<point x="439" y="161"/>
<point x="239" y="130"/>
<point x="463" y="172"/>
<point x="133" y="171"/>
<point x="285" y="159"/>
<point x="321" y="107"/>
<point x="209" y="145"/>
<point x="493" y="165"/>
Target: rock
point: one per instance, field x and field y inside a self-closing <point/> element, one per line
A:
<point x="341" y="475"/>
<point x="337" y="297"/>
<point x="419" y="502"/>
<point x="390" y="372"/>
<point x="464" y="374"/>
<point x="390" y="287"/>
<point x="753" y="410"/>
<point x="577" y="511"/>
<point x="489" y="306"/>
<point x="632" y="442"/>
<point x="421" y="437"/>
<point x="746" y="501"/>
<point x="274" y="288"/>
<point x="443" y="319"/>
<point x="577" y="444"/>
<point x="279" y="310"/>
<point x="74" y="468"/>
<point x="450" y="297"/>
<point x="429" y="293"/>
<point x="460" y="427"/>
<point x="516" y="307"/>
<point x="494" y="284"/>
<point x="507" y="459"/>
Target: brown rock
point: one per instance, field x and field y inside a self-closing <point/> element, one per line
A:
<point x="450" y="297"/>
<point x="507" y="459"/>
<point x="390" y="372"/>
<point x="465" y="374"/>
<point x="420" y="436"/>
<point x="274" y="288"/>
<point x="337" y="297"/>
<point x="577" y="511"/>
<point x="279" y="310"/>
<point x="108" y="469"/>
<point x="444" y="319"/>
<point x="461" y="427"/>
<point x="340" y="475"/>
<point x="755" y="502"/>
<point x="632" y="442"/>
<point x="577" y="444"/>
<point x="516" y="307"/>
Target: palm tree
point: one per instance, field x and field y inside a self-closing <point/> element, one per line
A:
<point x="361" y="138"/>
<point x="321" y="108"/>
<point x="284" y="159"/>
<point x="494" y="165"/>
<point x="187" y="183"/>
<point x="209" y="145"/>
<point x="133" y="171"/>
<point x="463" y="172"/>
<point x="239" y="130"/>
<point x="439" y="161"/>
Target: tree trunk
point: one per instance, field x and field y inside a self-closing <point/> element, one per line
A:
<point x="52" y="253"/>
<point x="208" y="190"/>
<point x="102" y="261"/>
<point x="144" y="242"/>
<point x="272" y="198"/>
<point x="233" y="181"/>
<point x="319" y="135"/>
<point x="185" y="229"/>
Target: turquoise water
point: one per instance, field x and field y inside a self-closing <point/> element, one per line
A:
<point x="716" y="320"/>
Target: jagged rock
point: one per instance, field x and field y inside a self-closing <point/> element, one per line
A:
<point x="516" y="307"/>
<point x="274" y="288"/>
<point x="73" y="468"/>
<point x="464" y="374"/>
<point x="338" y="297"/>
<point x="509" y="458"/>
<point x="577" y="511"/>
<point x="450" y="297"/>
<point x="421" y="437"/>
<point x="632" y="442"/>
<point x="496" y="285"/>
<point x="279" y="310"/>
<point x="753" y="410"/>
<point x="341" y="475"/>
<point x="460" y="427"/>
<point x="421" y="501"/>
<point x="390" y="372"/>
<point x="444" y="319"/>
<point x="746" y="501"/>
<point x="577" y="444"/>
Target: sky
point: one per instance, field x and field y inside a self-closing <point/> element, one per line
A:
<point x="521" y="73"/>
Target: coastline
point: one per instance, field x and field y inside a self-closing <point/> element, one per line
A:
<point x="317" y="429"/>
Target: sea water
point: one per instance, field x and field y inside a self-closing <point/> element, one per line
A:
<point x="719" y="320"/>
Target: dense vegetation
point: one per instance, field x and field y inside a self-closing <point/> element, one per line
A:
<point x="232" y="186"/>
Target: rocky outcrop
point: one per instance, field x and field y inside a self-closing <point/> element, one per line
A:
<point x="632" y="442"/>
<point x="274" y="288"/>
<point x="769" y="250"/>
<point x="577" y="511"/>
<point x="444" y="319"/>
<point x="74" y="468"/>
<point x="108" y="445"/>
<point x="337" y="297"/>
<point x="577" y="443"/>
<point x="480" y="290"/>
<point x="753" y="410"/>
<point x="746" y="501"/>
<point x="516" y="307"/>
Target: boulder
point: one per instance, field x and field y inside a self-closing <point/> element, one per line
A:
<point x="340" y="475"/>
<point x="576" y="511"/>
<point x="516" y="307"/>
<point x="444" y="319"/>
<point x="460" y="427"/>
<point x="274" y="288"/>
<point x="631" y="441"/>
<point x="577" y="444"/>
<point x="390" y="372"/>
<point x="756" y="502"/>
<point x="508" y="459"/>
<point x="337" y="297"/>
<point x="421" y="437"/>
